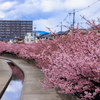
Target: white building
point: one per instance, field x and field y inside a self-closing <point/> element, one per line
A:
<point x="34" y="36"/>
<point x="29" y="38"/>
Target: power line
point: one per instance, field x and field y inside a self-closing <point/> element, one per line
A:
<point x="94" y="13"/>
<point x="76" y="11"/>
<point x="88" y="6"/>
<point x="61" y="21"/>
<point x="65" y="17"/>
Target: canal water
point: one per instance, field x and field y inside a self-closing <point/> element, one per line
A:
<point x="14" y="89"/>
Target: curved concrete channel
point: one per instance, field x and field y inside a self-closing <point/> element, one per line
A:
<point x="32" y="88"/>
<point x="13" y="91"/>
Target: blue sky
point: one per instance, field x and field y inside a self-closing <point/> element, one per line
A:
<point x="49" y="13"/>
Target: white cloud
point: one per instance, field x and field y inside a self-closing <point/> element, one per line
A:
<point x="51" y="23"/>
<point x="43" y="23"/>
<point x="15" y="86"/>
<point x="29" y="7"/>
<point x="13" y="91"/>
<point x="57" y="8"/>
<point x="2" y="14"/>
<point x="47" y="5"/>
<point x="75" y="4"/>
<point x="7" y="5"/>
<point x="52" y="5"/>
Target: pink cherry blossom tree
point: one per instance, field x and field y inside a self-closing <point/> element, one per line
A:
<point x="74" y="65"/>
<point x="70" y="63"/>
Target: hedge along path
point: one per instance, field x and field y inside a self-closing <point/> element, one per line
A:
<point x="32" y="88"/>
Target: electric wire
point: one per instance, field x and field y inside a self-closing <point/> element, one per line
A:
<point x="88" y="6"/>
<point x="61" y="21"/>
<point x="94" y="13"/>
<point x="69" y="14"/>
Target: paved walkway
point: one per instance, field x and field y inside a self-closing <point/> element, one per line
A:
<point x="5" y="76"/>
<point x="32" y="88"/>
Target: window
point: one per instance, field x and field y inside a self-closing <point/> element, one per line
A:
<point x="32" y="40"/>
<point x="7" y="29"/>
<point x="22" y="24"/>
<point x="17" y="27"/>
<point x="23" y="27"/>
<point x="27" y="39"/>
<point x="29" y="27"/>
<point x="32" y="34"/>
<point x="23" y="30"/>
<point x="7" y="24"/>
<point x="37" y="34"/>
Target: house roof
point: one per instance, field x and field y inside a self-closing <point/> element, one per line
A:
<point x="45" y="35"/>
<point x="41" y="32"/>
<point x="63" y="32"/>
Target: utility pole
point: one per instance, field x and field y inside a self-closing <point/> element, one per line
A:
<point x="34" y="33"/>
<point x="61" y="29"/>
<point x="73" y="18"/>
